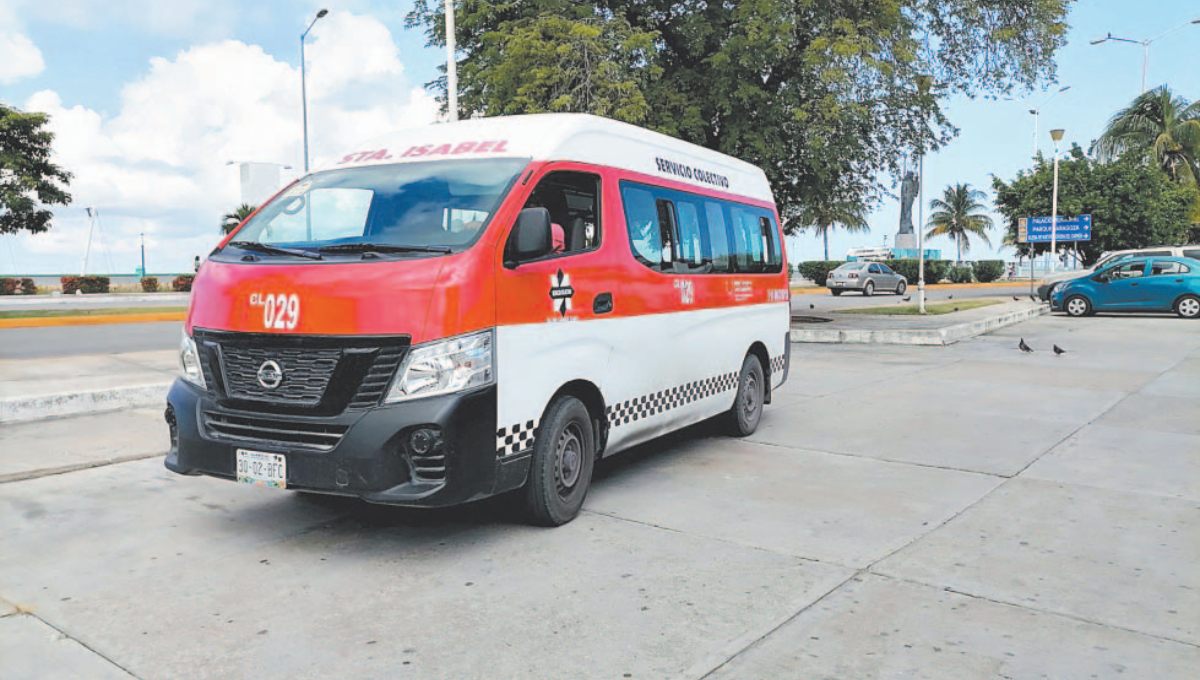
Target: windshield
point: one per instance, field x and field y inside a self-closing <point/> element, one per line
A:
<point x="444" y="204"/>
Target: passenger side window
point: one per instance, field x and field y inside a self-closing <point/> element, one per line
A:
<point x="691" y="241"/>
<point x="718" y="237"/>
<point x="641" y="219"/>
<point x="886" y="270"/>
<point x="1167" y="268"/>
<point x="1194" y="254"/>
<point x="747" y="240"/>
<point x="874" y="269"/>
<point x="573" y="201"/>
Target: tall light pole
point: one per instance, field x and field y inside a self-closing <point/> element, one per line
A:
<point x="1144" y="43"/>
<point x="143" y="235"/>
<point x="451" y="64"/>
<point x="1055" y="134"/>
<point x="1038" y="111"/>
<point x="923" y="83"/>
<point x="303" y="87"/>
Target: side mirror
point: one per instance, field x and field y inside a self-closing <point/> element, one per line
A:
<point x="530" y="238"/>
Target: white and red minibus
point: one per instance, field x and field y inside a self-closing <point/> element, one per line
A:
<point x="472" y="308"/>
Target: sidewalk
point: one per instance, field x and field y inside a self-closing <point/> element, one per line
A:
<point x="32" y="389"/>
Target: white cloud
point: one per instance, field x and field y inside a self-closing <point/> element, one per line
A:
<point x="19" y="58"/>
<point x="158" y="166"/>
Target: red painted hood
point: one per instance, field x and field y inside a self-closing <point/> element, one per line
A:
<point x="354" y="298"/>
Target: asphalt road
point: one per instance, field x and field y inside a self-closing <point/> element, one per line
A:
<point x="900" y="512"/>
<point x="62" y="341"/>
<point x="825" y="301"/>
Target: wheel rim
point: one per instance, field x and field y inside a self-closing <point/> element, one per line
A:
<point x="1076" y="307"/>
<point x="750" y="397"/>
<point x="568" y="458"/>
<point x="869" y="289"/>
<point x="1189" y="307"/>
<point x="901" y="288"/>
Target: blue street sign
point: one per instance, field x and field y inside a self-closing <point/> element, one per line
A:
<point x="1037" y="229"/>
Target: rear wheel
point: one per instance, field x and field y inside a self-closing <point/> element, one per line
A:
<point x="835" y="292"/>
<point x="1188" y="307"/>
<point x="747" y="405"/>
<point x="869" y="289"/>
<point x="563" y="457"/>
<point x="1078" y="305"/>
<point x="901" y="287"/>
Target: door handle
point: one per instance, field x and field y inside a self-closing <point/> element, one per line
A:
<point x="603" y="304"/>
<point x="1134" y="284"/>
<point x="1178" y="280"/>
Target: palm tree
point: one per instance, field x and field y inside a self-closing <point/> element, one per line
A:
<point x="821" y="218"/>
<point x="230" y="221"/>
<point x="1158" y="126"/>
<point x="957" y="214"/>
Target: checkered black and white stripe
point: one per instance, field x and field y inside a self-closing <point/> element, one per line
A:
<point x="652" y="404"/>
<point x="516" y="438"/>
<point x="777" y="364"/>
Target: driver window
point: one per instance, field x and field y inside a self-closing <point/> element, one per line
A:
<point x="573" y="201"/>
<point x="1127" y="271"/>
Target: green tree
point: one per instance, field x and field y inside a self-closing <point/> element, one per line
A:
<point x="1132" y="205"/>
<point x="1160" y="127"/>
<point x="822" y="95"/>
<point x="230" y="221"/>
<point x="28" y="180"/>
<point x="957" y="215"/>
<point x="822" y="217"/>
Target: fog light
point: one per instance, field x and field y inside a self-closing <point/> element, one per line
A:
<point x="172" y="425"/>
<point x="424" y="441"/>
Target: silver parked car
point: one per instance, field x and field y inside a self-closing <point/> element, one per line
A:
<point x="866" y="277"/>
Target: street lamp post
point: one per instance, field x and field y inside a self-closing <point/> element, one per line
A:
<point x="143" y="235"/>
<point x="451" y="64"/>
<point x="1055" y="134"/>
<point x="1144" y="43"/>
<point x="1038" y="111"/>
<point x="923" y="84"/>
<point x="303" y="86"/>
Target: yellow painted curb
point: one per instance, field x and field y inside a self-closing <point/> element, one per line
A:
<point x="92" y="320"/>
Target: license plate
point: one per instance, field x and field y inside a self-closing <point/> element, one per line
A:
<point x="262" y="469"/>
<point x="839" y="283"/>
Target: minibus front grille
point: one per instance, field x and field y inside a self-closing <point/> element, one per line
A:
<point x="306" y="373"/>
<point x="321" y="375"/>
<point x="377" y="380"/>
<point x="272" y="432"/>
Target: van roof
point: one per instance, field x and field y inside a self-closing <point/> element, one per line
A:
<point x="565" y="137"/>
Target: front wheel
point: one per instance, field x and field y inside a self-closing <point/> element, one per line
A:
<point x="1078" y="305"/>
<point x="869" y="289"/>
<point x="901" y="287"/>
<point x="561" y="470"/>
<point x="1188" y="307"/>
<point x="747" y="405"/>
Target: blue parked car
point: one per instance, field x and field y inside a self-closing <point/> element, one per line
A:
<point x="1140" y="284"/>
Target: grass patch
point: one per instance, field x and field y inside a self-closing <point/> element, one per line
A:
<point x="948" y="307"/>
<point x="102" y="311"/>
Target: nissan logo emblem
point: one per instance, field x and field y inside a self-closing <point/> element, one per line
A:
<point x="270" y="375"/>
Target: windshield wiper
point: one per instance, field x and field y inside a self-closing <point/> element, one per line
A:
<point x="382" y="248"/>
<point x="266" y="248"/>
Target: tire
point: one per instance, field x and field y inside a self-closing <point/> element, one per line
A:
<point x="835" y="292"/>
<point x="747" y="405"/>
<point x="901" y="287"/>
<point x="869" y="289"/>
<point x="563" y="457"/>
<point x="1188" y="307"/>
<point x="1077" y="305"/>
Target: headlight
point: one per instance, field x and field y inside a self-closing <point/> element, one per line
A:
<point x="445" y="366"/>
<point x="189" y="362"/>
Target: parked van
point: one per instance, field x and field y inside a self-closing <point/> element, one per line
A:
<point x="467" y="309"/>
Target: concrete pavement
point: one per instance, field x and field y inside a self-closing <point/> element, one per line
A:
<point x="952" y="513"/>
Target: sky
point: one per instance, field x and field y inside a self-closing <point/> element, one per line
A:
<point x="151" y="100"/>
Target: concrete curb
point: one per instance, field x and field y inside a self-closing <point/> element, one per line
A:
<point x="947" y="335"/>
<point x="24" y="409"/>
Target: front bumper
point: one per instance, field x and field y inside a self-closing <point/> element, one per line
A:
<point x="371" y="459"/>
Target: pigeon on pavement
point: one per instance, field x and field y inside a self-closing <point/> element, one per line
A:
<point x="1059" y="350"/>
<point x="1023" y="347"/>
<point x="907" y="298"/>
<point x="1016" y="298"/>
